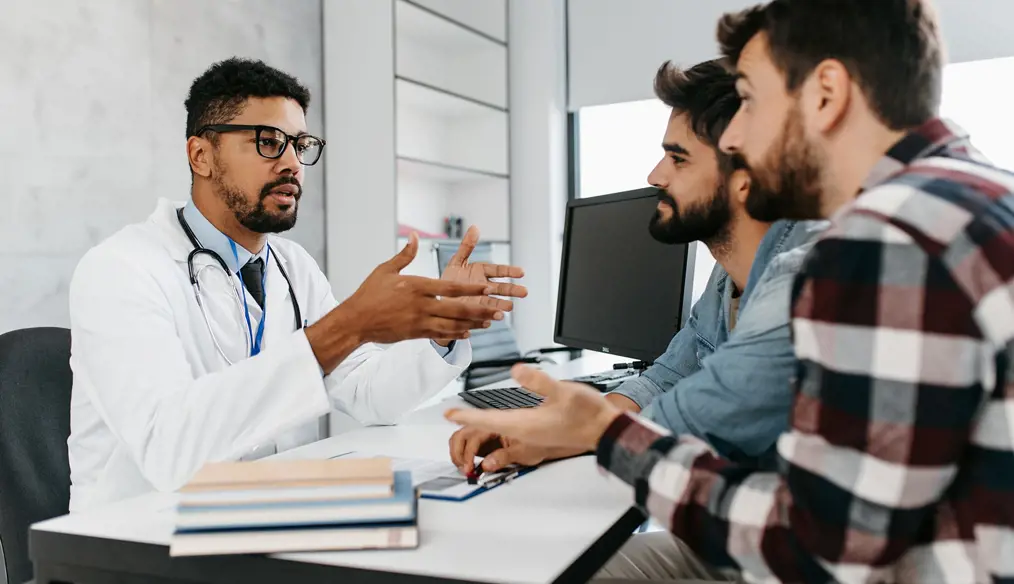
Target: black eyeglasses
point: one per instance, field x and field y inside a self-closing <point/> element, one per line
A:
<point x="272" y="142"/>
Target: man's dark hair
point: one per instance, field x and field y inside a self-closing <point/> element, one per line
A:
<point x="219" y="94"/>
<point x="706" y="93"/>
<point x="891" y="48"/>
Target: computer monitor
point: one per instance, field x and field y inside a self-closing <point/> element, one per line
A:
<point x="621" y="291"/>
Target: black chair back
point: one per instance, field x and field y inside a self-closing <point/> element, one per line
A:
<point x="35" y="386"/>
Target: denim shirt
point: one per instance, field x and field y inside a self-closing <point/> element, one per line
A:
<point x="733" y="389"/>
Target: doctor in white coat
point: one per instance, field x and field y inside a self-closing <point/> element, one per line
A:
<point x="169" y="375"/>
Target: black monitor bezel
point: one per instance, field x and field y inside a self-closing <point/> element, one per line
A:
<point x="628" y="352"/>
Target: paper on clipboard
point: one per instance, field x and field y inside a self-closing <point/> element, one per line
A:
<point x="435" y="479"/>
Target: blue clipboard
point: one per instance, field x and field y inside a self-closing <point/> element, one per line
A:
<point x="464" y="492"/>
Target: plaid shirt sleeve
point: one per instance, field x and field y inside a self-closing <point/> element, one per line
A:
<point x="888" y="384"/>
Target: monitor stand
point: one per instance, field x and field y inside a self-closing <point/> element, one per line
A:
<point x="609" y="380"/>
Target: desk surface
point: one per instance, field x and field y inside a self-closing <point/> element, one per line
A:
<point x="560" y="523"/>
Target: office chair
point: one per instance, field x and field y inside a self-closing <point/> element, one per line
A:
<point x="35" y="384"/>
<point x="494" y="350"/>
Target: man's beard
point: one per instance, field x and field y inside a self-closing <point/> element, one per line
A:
<point x="707" y="222"/>
<point x="256" y="217"/>
<point x="788" y="181"/>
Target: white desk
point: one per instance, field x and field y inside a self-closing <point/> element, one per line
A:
<point x="560" y="523"/>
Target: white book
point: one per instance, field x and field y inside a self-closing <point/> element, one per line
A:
<point x="293" y="540"/>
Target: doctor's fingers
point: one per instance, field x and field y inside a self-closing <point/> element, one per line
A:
<point x="463" y="311"/>
<point x="446" y="288"/>
<point x="501" y="271"/>
<point x="508" y="289"/>
<point x="436" y="327"/>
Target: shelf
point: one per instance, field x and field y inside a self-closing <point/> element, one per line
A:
<point x="487" y="18"/>
<point x="435" y="52"/>
<point x="426" y="195"/>
<point x="436" y="171"/>
<point x="435" y="29"/>
<point x="440" y="101"/>
<point x="435" y="127"/>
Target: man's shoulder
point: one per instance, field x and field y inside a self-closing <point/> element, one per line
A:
<point x="798" y="241"/>
<point x="133" y="244"/>
<point x="935" y="203"/>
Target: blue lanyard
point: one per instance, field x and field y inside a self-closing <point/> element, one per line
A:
<point x="255" y="343"/>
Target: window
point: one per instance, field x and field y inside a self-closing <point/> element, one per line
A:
<point x="618" y="145"/>
<point x="975" y="96"/>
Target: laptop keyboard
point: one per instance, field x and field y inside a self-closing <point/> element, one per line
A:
<point x="508" y="398"/>
<point x="502" y="398"/>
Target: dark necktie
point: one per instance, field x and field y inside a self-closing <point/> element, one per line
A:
<point x="253" y="273"/>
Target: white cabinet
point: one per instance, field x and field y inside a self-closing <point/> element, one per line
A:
<point x="452" y="138"/>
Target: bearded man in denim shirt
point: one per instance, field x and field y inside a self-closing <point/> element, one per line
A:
<point x="725" y="376"/>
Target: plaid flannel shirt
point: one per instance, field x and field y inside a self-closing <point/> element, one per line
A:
<point x="899" y="465"/>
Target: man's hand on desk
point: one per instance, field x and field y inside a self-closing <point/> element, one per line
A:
<point x="573" y="417"/>
<point x="389" y="307"/>
<point x="499" y="452"/>
<point x="460" y="270"/>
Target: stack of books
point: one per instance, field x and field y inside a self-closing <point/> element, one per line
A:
<point x="295" y="505"/>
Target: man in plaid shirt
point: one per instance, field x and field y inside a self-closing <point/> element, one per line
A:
<point x="899" y="466"/>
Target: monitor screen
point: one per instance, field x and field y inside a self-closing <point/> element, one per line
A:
<point x="621" y="291"/>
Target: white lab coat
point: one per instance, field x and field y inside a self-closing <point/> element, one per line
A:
<point x="153" y="400"/>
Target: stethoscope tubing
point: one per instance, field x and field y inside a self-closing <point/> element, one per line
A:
<point x="195" y="283"/>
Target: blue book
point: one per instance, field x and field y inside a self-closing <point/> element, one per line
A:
<point x="400" y="508"/>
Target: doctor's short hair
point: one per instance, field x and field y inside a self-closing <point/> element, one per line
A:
<point x="218" y="95"/>
<point x="706" y="94"/>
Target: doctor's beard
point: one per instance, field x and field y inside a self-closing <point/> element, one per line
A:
<point x="256" y="217"/>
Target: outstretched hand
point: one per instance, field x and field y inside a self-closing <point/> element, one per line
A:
<point x="572" y="415"/>
<point x="460" y="270"/>
<point x="392" y="307"/>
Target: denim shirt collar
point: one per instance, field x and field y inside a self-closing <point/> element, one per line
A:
<point x="783" y="235"/>
<point x="211" y="238"/>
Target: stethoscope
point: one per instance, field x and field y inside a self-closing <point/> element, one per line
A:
<point x="252" y="345"/>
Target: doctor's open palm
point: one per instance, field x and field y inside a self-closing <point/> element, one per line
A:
<point x="389" y="307"/>
<point x="459" y="269"/>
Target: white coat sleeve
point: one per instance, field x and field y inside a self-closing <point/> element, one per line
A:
<point x="135" y="370"/>
<point x="377" y="384"/>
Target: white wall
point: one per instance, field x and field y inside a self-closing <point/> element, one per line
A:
<point x="93" y="123"/>
<point x="361" y="220"/>
<point x="422" y="204"/>
<point x="485" y="204"/>
<point x="538" y="159"/>
<point x="615" y="47"/>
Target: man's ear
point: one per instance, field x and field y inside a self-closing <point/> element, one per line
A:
<point x="199" y="154"/>
<point x="739" y="186"/>
<point x="828" y="93"/>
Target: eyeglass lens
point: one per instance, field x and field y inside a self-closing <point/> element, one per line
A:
<point x="270" y="144"/>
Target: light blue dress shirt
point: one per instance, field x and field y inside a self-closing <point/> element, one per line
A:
<point x="211" y="238"/>
<point x="732" y="388"/>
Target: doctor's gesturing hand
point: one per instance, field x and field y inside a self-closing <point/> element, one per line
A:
<point x="389" y="307"/>
<point x="459" y="269"/>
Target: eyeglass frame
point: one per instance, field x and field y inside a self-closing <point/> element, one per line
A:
<point x="258" y="128"/>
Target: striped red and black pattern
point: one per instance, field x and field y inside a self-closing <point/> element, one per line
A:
<point x="899" y="464"/>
